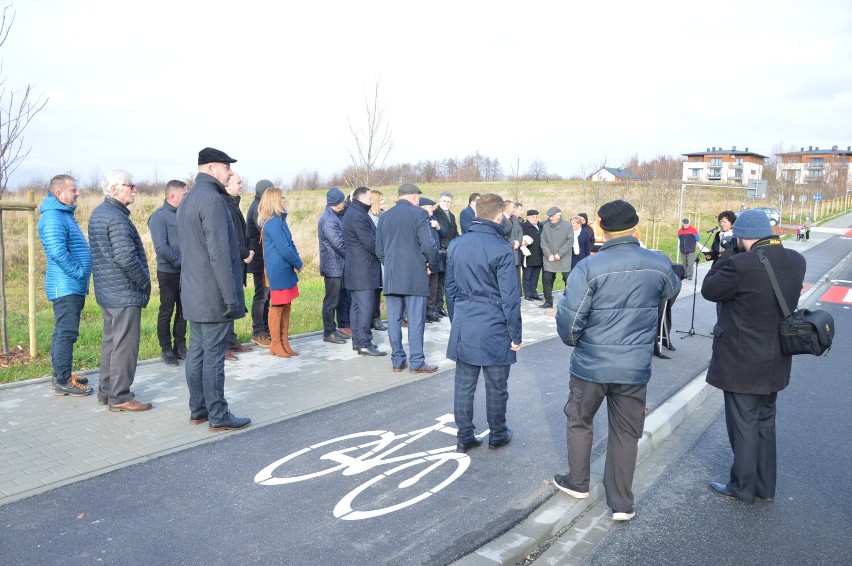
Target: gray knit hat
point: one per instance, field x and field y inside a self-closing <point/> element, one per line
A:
<point x="752" y="225"/>
<point x="261" y="186"/>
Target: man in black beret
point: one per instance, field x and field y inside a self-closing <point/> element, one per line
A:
<point x="604" y="314"/>
<point x="211" y="288"/>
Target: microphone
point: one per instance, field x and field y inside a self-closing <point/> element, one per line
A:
<point x="713" y="229"/>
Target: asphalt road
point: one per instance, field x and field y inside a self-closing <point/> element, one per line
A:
<point x="680" y="521"/>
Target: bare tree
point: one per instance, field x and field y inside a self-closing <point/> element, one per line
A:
<point x="537" y="171"/>
<point x="372" y="144"/>
<point x="17" y="108"/>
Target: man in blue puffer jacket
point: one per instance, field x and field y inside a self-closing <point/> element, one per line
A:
<point x="66" y="281"/>
<point x="332" y="249"/>
<point x="609" y="314"/>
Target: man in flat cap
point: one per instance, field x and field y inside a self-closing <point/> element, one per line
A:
<point x="604" y="314"/>
<point x="531" y="250"/>
<point x="211" y="291"/>
<point x="405" y="246"/>
<point x="557" y="241"/>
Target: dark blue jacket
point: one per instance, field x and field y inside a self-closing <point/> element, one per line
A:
<point x="332" y="246"/>
<point x="585" y="244"/>
<point x="164" y="235"/>
<point x="211" y="273"/>
<point x="280" y="254"/>
<point x="69" y="260"/>
<point x="483" y="298"/>
<point x="404" y="245"/>
<point x="609" y="311"/>
<point x="119" y="265"/>
<point x="466" y="217"/>
<point x="363" y="270"/>
<point x="438" y="234"/>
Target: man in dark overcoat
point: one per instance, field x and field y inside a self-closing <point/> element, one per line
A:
<point x="234" y="188"/>
<point x="535" y="259"/>
<point x="485" y="311"/>
<point x="260" y="300"/>
<point x="211" y="288"/>
<point x="362" y="273"/>
<point x="404" y="245"/>
<point x="747" y="363"/>
<point x="447" y="220"/>
<point x="467" y="215"/>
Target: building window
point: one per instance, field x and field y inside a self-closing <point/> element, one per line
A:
<point x="715" y="174"/>
<point x="816" y="163"/>
<point x="739" y="162"/>
<point x="695" y="173"/>
<point x="715" y="162"/>
<point x="738" y="173"/>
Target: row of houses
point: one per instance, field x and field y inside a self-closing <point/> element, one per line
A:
<point x="733" y="166"/>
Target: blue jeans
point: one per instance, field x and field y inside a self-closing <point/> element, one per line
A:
<point x="66" y="311"/>
<point x="496" y="399"/>
<point x="416" y="306"/>
<point x="205" y="370"/>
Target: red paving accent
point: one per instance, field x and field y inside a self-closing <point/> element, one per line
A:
<point x="805" y="287"/>
<point x="848" y="233"/>
<point x="837" y="294"/>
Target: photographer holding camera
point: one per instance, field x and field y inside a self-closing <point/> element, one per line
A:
<point x="747" y="363"/>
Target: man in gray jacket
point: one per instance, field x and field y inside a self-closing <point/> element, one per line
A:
<point x="557" y="241"/>
<point x="163" y="227"/>
<point x="211" y="288"/>
<point x="609" y="314"/>
<point x="122" y="289"/>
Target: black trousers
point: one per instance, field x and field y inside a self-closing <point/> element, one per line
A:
<point x="531" y="275"/>
<point x="547" y="281"/>
<point x="439" y="300"/>
<point x="330" y="302"/>
<point x="750" y="420"/>
<point x="260" y="305"/>
<point x="360" y="317"/>
<point x="432" y="302"/>
<point x="170" y="304"/>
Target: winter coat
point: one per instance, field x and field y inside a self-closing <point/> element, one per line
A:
<point x="535" y="258"/>
<point x="483" y="298"/>
<point x="404" y="245"/>
<point x="332" y="246"/>
<point x="363" y="269"/>
<point x="466" y="217"/>
<point x="687" y="238"/>
<point x="280" y="254"/>
<point x="211" y="271"/>
<point x="69" y="259"/>
<point x="448" y="222"/>
<point x="747" y="354"/>
<point x="557" y="239"/>
<point x="233" y="203"/>
<point x="164" y="235"/>
<point x="609" y="311"/>
<point x="119" y="265"/>
<point x="516" y="235"/>
<point x="437" y="235"/>
<point x="253" y="236"/>
<point x="585" y="244"/>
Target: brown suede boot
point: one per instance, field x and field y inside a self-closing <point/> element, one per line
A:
<point x="285" y="331"/>
<point x="276" y="347"/>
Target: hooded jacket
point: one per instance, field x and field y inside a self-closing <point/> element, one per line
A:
<point x="69" y="260"/>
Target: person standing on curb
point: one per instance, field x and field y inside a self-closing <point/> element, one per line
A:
<point x="747" y="362"/>
<point x="332" y="252"/>
<point x="447" y="221"/>
<point x="362" y="273"/>
<point x="211" y="289"/>
<point x="533" y="259"/>
<point x="557" y="241"/>
<point x="687" y="238"/>
<point x="234" y="188"/>
<point x="484" y="304"/>
<point x="607" y="313"/>
<point x="404" y="245"/>
<point x="163" y="227"/>
<point x="122" y="289"/>
<point x="66" y="279"/>
<point x="260" y="300"/>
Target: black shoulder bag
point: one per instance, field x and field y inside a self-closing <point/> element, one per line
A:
<point x="802" y="331"/>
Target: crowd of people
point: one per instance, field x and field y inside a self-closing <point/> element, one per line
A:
<point x="427" y="266"/>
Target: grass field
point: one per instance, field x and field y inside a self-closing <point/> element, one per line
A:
<point x="658" y="202"/>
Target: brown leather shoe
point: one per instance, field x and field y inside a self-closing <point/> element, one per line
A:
<point x="346" y="331"/>
<point x="133" y="406"/>
<point x="198" y="421"/>
<point x="425" y="368"/>
<point x="229" y="357"/>
<point x="400" y="368"/>
<point x="263" y="340"/>
<point x="238" y="348"/>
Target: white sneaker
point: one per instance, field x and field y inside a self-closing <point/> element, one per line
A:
<point x="623" y="516"/>
<point x="561" y="482"/>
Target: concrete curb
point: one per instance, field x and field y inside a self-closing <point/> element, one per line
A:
<point x="560" y="510"/>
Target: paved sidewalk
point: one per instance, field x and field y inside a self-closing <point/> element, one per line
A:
<point x="48" y="441"/>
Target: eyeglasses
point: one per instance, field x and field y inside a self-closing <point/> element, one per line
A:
<point x="131" y="186"/>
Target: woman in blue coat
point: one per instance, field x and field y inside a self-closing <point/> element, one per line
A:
<point x="282" y="263"/>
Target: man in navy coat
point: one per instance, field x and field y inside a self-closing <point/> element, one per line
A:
<point x="484" y="303"/>
<point x="362" y="273"/>
<point x="404" y="245"/>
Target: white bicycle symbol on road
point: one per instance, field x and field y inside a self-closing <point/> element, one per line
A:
<point x="363" y="457"/>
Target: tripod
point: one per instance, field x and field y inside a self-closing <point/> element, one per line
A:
<point x="691" y="331"/>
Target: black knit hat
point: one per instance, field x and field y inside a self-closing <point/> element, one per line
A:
<point x="618" y="216"/>
<point x="211" y="155"/>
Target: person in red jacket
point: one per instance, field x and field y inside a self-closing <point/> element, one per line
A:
<point x="687" y="238"/>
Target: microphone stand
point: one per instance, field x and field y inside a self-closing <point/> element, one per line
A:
<point x="691" y="331"/>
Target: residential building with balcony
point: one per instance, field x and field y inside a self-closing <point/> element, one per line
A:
<point x="815" y="166"/>
<point x="724" y="166"/>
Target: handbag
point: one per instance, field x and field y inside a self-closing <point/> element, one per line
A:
<point x="802" y="331"/>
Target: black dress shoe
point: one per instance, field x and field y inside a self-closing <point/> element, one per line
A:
<point x="529" y="298"/>
<point x="180" y="352"/>
<point x="546" y="306"/>
<point x="722" y="489"/>
<point x="373" y="344"/>
<point x="465" y="446"/>
<point x="371" y="351"/>
<point x="442" y="312"/>
<point x="503" y="441"/>
<point x="333" y="338"/>
<point x="378" y="325"/>
<point x="671" y="348"/>
<point x="430" y="319"/>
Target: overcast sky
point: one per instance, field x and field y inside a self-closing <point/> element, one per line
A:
<point x="143" y="86"/>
